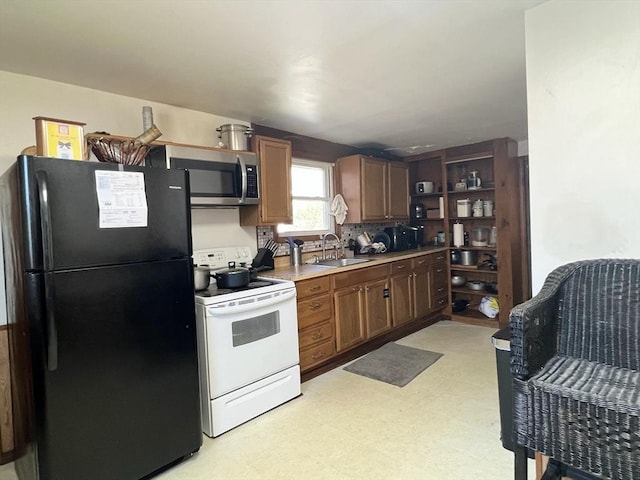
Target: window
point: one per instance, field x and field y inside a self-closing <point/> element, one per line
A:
<point x="311" y="198"/>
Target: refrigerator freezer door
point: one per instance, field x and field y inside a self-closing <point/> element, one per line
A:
<point x="60" y="196"/>
<point x="123" y="398"/>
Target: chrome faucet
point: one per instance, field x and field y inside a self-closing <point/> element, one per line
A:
<point x="324" y="245"/>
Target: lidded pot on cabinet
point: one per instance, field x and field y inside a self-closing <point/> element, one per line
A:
<point x="417" y="210"/>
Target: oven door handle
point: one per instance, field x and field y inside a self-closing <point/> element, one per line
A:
<point x="270" y="300"/>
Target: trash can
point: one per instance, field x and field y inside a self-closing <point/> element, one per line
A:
<point x="501" y="341"/>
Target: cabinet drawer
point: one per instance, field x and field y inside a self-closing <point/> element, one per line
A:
<point x="313" y="286"/>
<point x="312" y="356"/>
<point x="437" y="257"/>
<point x="439" y="302"/>
<point x="314" y="310"/>
<point x="315" y="334"/>
<point x="439" y="274"/>
<point x="421" y="262"/>
<point x="403" y="266"/>
<point x="359" y="277"/>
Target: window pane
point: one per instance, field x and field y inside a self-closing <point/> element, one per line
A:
<point x="308" y="215"/>
<point x="307" y="181"/>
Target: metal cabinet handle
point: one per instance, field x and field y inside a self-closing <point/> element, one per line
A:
<point x="315" y="306"/>
<point x="317" y="336"/>
<point x="314" y="288"/>
<point x="317" y="356"/>
<point x="400" y="267"/>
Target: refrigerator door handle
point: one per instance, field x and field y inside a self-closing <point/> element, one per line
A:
<point x="52" y="329"/>
<point x="47" y="252"/>
<point x="243" y="176"/>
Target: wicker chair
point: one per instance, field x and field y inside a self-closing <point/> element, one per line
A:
<point x="575" y="358"/>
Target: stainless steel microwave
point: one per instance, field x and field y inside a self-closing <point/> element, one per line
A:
<point x="216" y="177"/>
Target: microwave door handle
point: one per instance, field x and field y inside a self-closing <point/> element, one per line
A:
<point x="243" y="176"/>
<point x="47" y="251"/>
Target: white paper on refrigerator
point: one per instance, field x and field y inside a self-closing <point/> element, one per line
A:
<point x="122" y="200"/>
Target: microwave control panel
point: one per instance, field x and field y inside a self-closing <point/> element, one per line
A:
<point x="252" y="181"/>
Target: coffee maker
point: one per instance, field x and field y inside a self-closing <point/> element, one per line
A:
<point x="414" y="235"/>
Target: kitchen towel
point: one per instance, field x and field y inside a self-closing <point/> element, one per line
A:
<point x="339" y="209"/>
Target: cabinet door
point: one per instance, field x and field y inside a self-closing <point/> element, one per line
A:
<point x="421" y="286"/>
<point x="398" y="191"/>
<point x="374" y="188"/>
<point x="377" y="315"/>
<point x="349" y="317"/>
<point x="401" y="298"/>
<point x="275" y="180"/>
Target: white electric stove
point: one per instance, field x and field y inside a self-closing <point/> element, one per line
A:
<point x="247" y="345"/>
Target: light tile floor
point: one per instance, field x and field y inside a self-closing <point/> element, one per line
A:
<point x="444" y="424"/>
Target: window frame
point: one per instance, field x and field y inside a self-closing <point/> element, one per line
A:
<point x="314" y="234"/>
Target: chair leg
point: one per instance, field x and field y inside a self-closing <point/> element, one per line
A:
<point x="554" y="471"/>
<point x="520" y="462"/>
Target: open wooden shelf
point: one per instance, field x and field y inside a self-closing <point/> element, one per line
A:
<point x="454" y="219"/>
<point x="468" y="291"/>
<point x="469" y="191"/>
<point x="472" y="268"/>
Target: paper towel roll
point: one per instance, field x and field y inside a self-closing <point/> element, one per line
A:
<point x="441" y="199"/>
<point x="458" y="235"/>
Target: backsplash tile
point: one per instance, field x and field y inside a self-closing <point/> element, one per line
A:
<point x="349" y="231"/>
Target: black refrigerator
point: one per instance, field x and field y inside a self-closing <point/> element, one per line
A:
<point x="99" y="288"/>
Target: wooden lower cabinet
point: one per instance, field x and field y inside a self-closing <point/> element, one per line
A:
<point x="402" y="295"/>
<point x="361" y="305"/>
<point x="376" y="312"/>
<point x="349" y="317"/>
<point x="316" y="354"/>
<point x="421" y="286"/>
<point x="439" y="283"/>
<point x="344" y="310"/>
<point x="315" y="321"/>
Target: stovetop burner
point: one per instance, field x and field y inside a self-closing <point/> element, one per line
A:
<point x="215" y="291"/>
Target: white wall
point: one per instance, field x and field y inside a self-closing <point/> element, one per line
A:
<point x="23" y="97"/>
<point x="583" y="96"/>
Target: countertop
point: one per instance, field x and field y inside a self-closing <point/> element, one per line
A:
<point x="312" y="270"/>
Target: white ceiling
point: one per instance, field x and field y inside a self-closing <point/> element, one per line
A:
<point x="385" y="73"/>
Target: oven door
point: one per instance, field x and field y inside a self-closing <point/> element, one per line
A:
<point x="251" y="339"/>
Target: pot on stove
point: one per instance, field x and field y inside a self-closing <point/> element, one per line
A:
<point x="201" y="277"/>
<point x="232" y="277"/>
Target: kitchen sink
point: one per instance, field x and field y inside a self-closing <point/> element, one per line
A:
<point x="342" y="262"/>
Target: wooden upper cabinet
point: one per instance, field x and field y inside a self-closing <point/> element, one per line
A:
<point x="275" y="207"/>
<point x="375" y="190"/>
<point x="398" y="191"/>
<point x="374" y="182"/>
